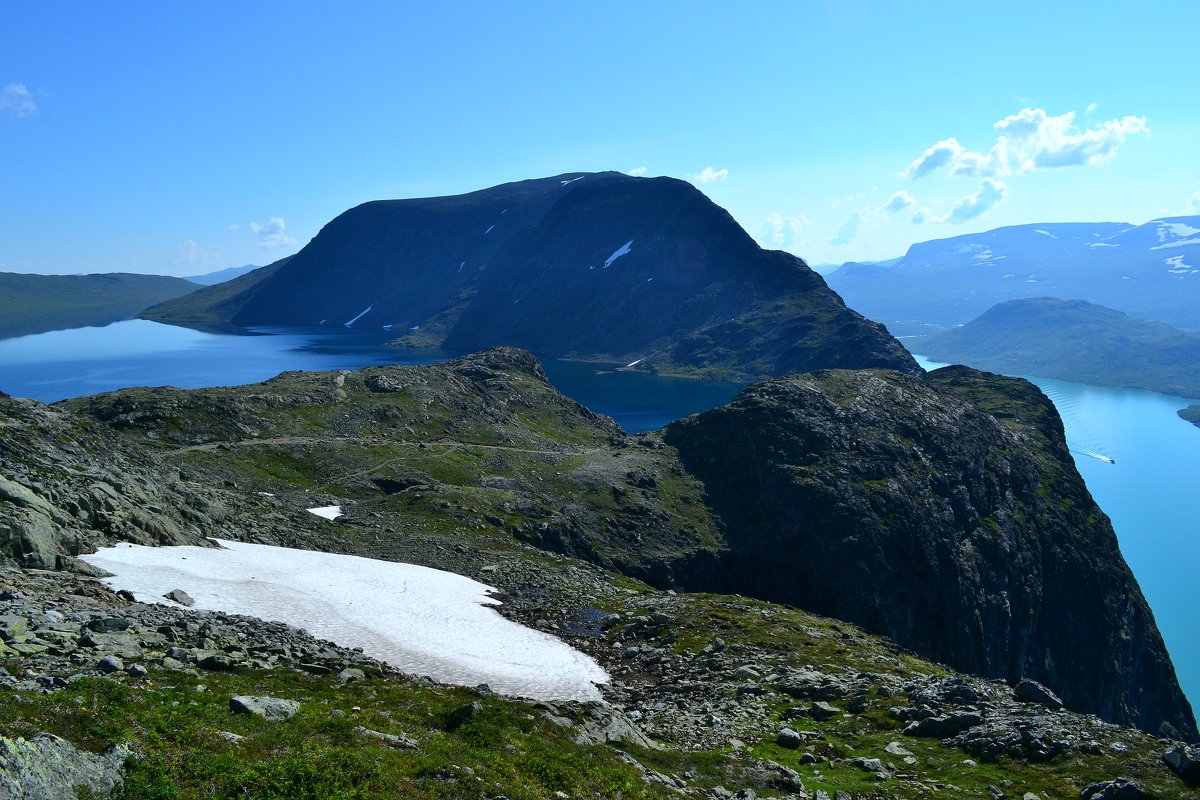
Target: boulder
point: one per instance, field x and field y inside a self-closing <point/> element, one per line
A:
<point x="47" y="767"/>
<point x="1033" y="692"/>
<point x="788" y="738"/>
<point x="181" y="597"/>
<point x="943" y="726"/>
<point x="1184" y="761"/>
<point x="1119" y="789"/>
<point x="273" y="709"/>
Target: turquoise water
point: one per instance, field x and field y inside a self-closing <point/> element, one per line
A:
<point x="1150" y="495"/>
<point x="1148" y="491"/>
<point x="61" y="364"/>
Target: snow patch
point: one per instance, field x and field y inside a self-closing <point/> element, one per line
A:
<point x="634" y="363"/>
<point x="415" y="328"/>
<point x="1044" y="233"/>
<point x="489" y="230"/>
<point x="420" y="620"/>
<point x="1103" y="244"/>
<point x="1177" y="266"/>
<point x="387" y="327"/>
<point x="581" y="177"/>
<point x="620" y="251"/>
<point x="460" y="266"/>
<point x="361" y="314"/>
<point x="1177" y="229"/>
<point x="326" y="512"/>
<point x="1180" y="243"/>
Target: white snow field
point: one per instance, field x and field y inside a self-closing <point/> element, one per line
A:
<point x="420" y="620"/>
<point x="326" y="512"/>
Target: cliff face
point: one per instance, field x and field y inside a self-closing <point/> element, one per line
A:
<point x="945" y="513"/>
<point x="599" y="266"/>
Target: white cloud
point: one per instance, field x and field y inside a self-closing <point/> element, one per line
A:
<point x="780" y="231"/>
<point x="898" y="202"/>
<point x="1196" y="202"/>
<point x="193" y="254"/>
<point x="1032" y="140"/>
<point x="708" y="175"/>
<point x="974" y="205"/>
<point x="16" y="100"/>
<point x="921" y="216"/>
<point x="637" y="172"/>
<point x="849" y="230"/>
<point x="934" y="158"/>
<point x="234" y="228"/>
<point x="272" y="234"/>
<point x="1091" y="109"/>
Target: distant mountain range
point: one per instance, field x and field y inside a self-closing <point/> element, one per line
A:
<point x="38" y="303"/>
<point x="1076" y="341"/>
<point x="1149" y="271"/>
<point x="594" y="266"/>
<point x="221" y="275"/>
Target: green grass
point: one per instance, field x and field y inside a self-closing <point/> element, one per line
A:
<point x="172" y="725"/>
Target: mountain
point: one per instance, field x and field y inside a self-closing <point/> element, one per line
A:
<point x="1149" y="271"/>
<point x="211" y="307"/>
<point x="945" y="513"/>
<point x="480" y="467"/>
<point x="221" y="275"/>
<point x="1075" y="341"/>
<point x="39" y="303"/>
<point x="594" y="266"/>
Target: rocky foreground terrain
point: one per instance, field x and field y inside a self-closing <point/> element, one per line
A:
<point x="479" y="467"/>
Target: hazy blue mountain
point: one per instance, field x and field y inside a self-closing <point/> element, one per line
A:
<point x="1149" y="271"/>
<point x="39" y="303"/>
<point x="594" y="266"/>
<point x="221" y="275"/>
<point x="1076" y="341"/>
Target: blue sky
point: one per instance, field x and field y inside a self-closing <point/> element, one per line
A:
<point x="178" y="139"/>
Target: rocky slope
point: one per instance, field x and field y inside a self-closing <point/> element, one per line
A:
<point x="479" y="466"/>
<point x="949" y="505"/>
<point x="1076" y="341"/>
<point x="943" y="512"/>
<point x="38" y="303"/>
<point x="588" y="266"/>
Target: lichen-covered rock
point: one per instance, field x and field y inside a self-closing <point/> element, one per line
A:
<point x="1118" y="789"/>
<point x="272" y="709"/>
<point x="1184" y="761"/>
<point x="47" y="767"/>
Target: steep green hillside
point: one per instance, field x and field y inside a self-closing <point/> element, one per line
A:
<point x="1075" y="341"/>
<point x="38" y="303"/>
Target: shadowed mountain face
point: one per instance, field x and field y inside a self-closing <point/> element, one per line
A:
<point x="590" y="266"/>
<point x="1076" y="341"/>
<point x="945" y="513"/>
<point x="1149" y="271"/>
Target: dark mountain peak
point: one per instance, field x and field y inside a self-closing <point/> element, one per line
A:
<point x="647" y="272"/>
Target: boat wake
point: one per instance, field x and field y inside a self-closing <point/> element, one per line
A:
<point x="1095" y="455"/>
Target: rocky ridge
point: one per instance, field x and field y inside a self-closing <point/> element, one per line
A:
<point x="480" y="467"/>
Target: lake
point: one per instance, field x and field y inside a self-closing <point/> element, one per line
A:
<point x="1148" y="491"/>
